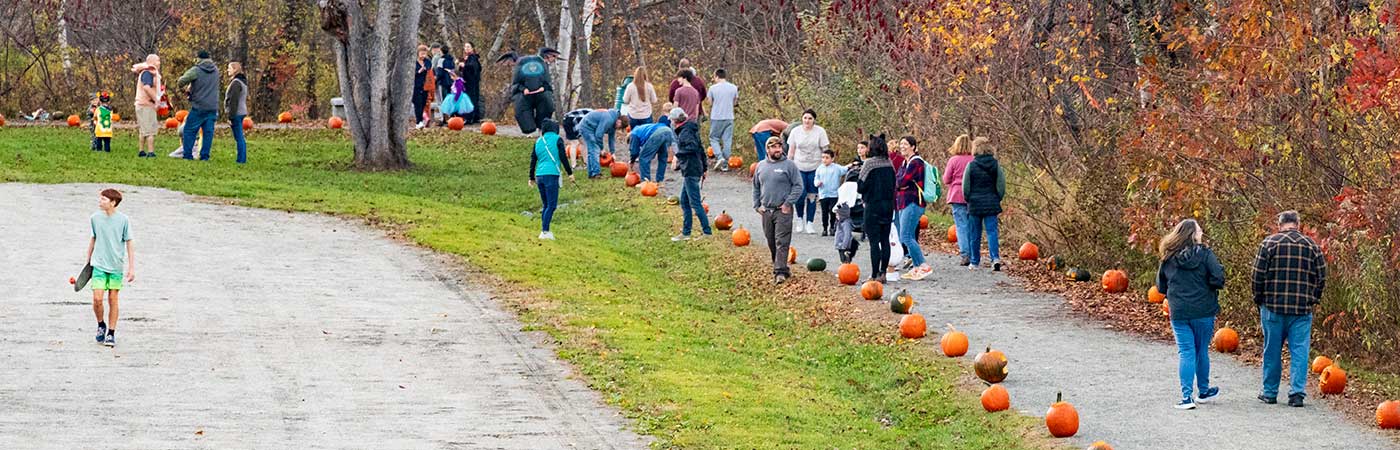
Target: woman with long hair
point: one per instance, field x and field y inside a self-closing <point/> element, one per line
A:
<point x="469" y="70"/>
<point x="877" y="191"/>
<point x="638" y="98"/>
<point x="1191" y="277"/>
<point x="959" y="155"/>
<point x="984" y="186"/>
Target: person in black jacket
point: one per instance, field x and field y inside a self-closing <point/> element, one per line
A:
<point x="1191" y="277"/>
<point x="532" y="90"/>
<point x="690" y="156"/>
<point x="877" y="191"/>
<point x="984" y="186"/>
<point x="469" y="68"/>
<point x="421" y="67"/>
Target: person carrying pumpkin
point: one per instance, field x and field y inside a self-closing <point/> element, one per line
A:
<point x="546" y="161"/>
<point x="984" y="186"/>
<point x="777" y="186"/>
<point x="1191" y="277"/>
<point x="1289" y="274"/>
<point x="654" y="141"/>
<point x="690" y="156"/>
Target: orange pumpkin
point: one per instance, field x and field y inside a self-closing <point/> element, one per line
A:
<point x="163" y="111"/>
<point x="488" y="128"/>
<point x="923" y="222"/>
<point x="740" y="237"/>
<point x="1155" y="296"/>
<point x="1100" y="445"/>
<point x="1319" y="363"/>
<point x="1115" y="281"/>
<point x="736" y="162"/>
<point x="792" y="255"/>
<point x="633" y="179"/>
<point x="954" y="343"/>
<point x="953" y="234"/>
<point x="247" y="123"/>
<point x="73" y="120"/>
<point x="605" y="159"/>
<point x="116" y="117"/>
<point x="872" y="290"/>
<point x="710" y="152"/>
<point x="649" y="189"/>
<point x="575" y="151"/>
<point x="618" y="169"/>
<point x="1388" y="415"/>
<point x="990" y="366"/>
<point x="1226" y="340"/>
<point x="848" y="274"/>
<point x="1029" y="252"/>
<point x="171" y="123"/>
<point x="1062" y="419"/>
<point x="285" y="117"/>
<point x="456" y="124"/>
<point x="995" y="398"/>
<point x="912" y="326"/>
<point x="2" y="120"/>
<point x="335" y="123"/>
<point x="1333" y="380"/>
<point x="753" y="168"/>
<point x="723" y="221"/>
<point x="180" y="115"/>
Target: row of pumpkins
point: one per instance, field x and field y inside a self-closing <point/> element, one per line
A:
<point x="456" y="123"/>
<point x="1062" y="420"/>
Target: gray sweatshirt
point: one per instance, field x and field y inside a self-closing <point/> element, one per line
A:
<point x="777" y="183"/>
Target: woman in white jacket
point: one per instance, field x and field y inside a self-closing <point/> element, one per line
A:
<point x="805" y="145"/>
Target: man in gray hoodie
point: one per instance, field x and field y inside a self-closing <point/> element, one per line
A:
<point x="776" y="187"/>
<point x="202" y="83"/>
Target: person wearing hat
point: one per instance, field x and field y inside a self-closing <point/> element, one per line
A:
<point x="202" y="83"/>
<point x="690" y="156"/>
<point x="531" y="89"/>
<point x="101" y="114"/>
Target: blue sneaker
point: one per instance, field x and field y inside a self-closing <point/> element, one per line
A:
<point x="1208" y="395"/>
<point x="110" y="341"/>
<point x="101" y="332"/>
<point x="1186" y="403"/>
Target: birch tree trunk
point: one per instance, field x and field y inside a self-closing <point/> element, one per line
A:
<point x="560" y="72"/>
<point x="63" y="49"/>
<point x="440" y="15"/>
<point x="375" y="45"/>
<point x="578" y="78"/>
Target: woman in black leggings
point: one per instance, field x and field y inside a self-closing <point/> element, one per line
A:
<point x="877" y="190"/>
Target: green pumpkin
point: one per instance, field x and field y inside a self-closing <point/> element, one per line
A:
<point x="673" y="200"/>
<point x="816" y="265"/>
<point x="902" y="303"/>
<point x="1077" y="274"/>
<point x="1055" y="263"/>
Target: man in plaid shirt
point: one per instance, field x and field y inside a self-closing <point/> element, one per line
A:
<point x="1288" y="277"/>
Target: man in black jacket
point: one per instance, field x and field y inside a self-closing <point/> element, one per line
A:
<point x="532" y="89"/>
<point x="690" y="156"/>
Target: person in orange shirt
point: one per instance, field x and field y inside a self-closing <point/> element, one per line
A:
<point x="763" y="130"/>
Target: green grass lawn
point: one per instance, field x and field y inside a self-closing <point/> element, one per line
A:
<point x="663" y="331"/>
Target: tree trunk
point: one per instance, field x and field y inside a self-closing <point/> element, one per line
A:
<point x="374" y="64"/>
<point x="501" y="33"/>
<point x="63" y="49"/>
<point x="313" y="110"/>
<point x="568" y="13"/>
<point x="579" y="77"/>
<point x="283" y="68"/>
<point x="630" y="14"/>
<point x="544" y="25"/>
<point x="440" y="15"/>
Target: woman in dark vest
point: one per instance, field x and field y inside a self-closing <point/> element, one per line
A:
<point x="877" y="191"/>
<point x="469" y="68"/>
<point x="984" y="186"/>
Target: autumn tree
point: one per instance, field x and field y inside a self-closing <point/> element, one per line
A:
<point x="375" y="44"/>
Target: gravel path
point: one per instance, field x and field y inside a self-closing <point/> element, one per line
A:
<point x="251" y="328"/>
<point x="1124" y="387"/>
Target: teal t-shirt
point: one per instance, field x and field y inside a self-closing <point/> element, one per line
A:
<point x="546" y="155"/>
<point x="111" y="232"/>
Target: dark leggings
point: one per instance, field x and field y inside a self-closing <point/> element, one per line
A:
<point x="879" y="237"/>
<point x="828" y="216"/>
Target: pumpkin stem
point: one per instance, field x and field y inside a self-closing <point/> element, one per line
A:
<point x="1059" y="397"/>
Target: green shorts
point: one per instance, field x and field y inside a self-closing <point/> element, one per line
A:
<point x="105" y="281"/>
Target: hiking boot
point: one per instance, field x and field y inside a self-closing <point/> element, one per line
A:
<point x="680" y="238"/>
<point x="1295" y="400"/>
<point x="1208" y="395"/>
<point x="111" y="340"/>
<point x="101" y="332"/>
<point x="1267" y="400"/>
<point x="1185" y="404"/>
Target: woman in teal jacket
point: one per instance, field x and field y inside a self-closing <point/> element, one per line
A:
<point x="545" y="163"/>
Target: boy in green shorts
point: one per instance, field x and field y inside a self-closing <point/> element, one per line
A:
<point x="108" y="252"/>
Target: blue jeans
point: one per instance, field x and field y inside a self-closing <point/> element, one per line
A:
<point x="908" y="220"/>
<point x="1193" y="351"/>
<point x="198" y="121"/>
<point x="759" y="140"/>
<point x="690" y="202"/>
<point x="961" y="222"/>
<point x="1297" y="330"/>
<point x="595" y="149"/>
<point x="236" y="127"/>
<point x="974" y="234"/>
<point x="634" y="123"/>
<point x="722" y="137"/>
<point x="549" y="197"/>
<point x="653" y="151"/>
<point x="807" y="206"/>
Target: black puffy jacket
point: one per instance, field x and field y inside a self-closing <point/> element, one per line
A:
<point x="690" y="153"/>
<point x="1191" y="279"/>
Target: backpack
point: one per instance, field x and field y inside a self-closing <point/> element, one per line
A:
<point x="931" y="178"/>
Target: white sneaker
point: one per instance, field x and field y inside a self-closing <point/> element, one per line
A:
<point x="892" y="277"/>
<point x="679" y="238"/>
<point x="797" y="225"/>
<point x="971" y="267"/>
<point x="811" y="228"/>
<point x="547" y="236"/>
<point x="919" y="273"/>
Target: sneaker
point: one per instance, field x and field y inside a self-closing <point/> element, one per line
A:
<point x="1267" y="400"/>
<point x="1208" y="395"/>
<point x="811" y="229"/>
<point x="908" y="275"/>
<point x="101" y="332"/>
<point x="1185" y="404"/>
<point x="142" y="154"/>
<point x="963" y="262"/>
<point x="679" y="238"/>
<point x="906" y="264"/>
<point x="724" y="168"/>
<point x="110" y="341"/>
<point x="892" y="276"/>
<point x="971" y="266"/>
<point x="779" y="279"/>
<point x="797" y="226"/>
<point x="702" y="236"/>
<point x="547" y="236"/>
<point x="996" y="266"/>
<point x="1295" y="400"/>
<point x="419" y="126"/>
<point x="921" y="272"/>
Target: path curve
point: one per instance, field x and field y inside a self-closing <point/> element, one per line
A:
<point x="1123" y="386"/>
<point x="251" y="328"/>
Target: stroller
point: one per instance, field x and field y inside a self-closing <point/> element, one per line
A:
<point x="849" y="217"/>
